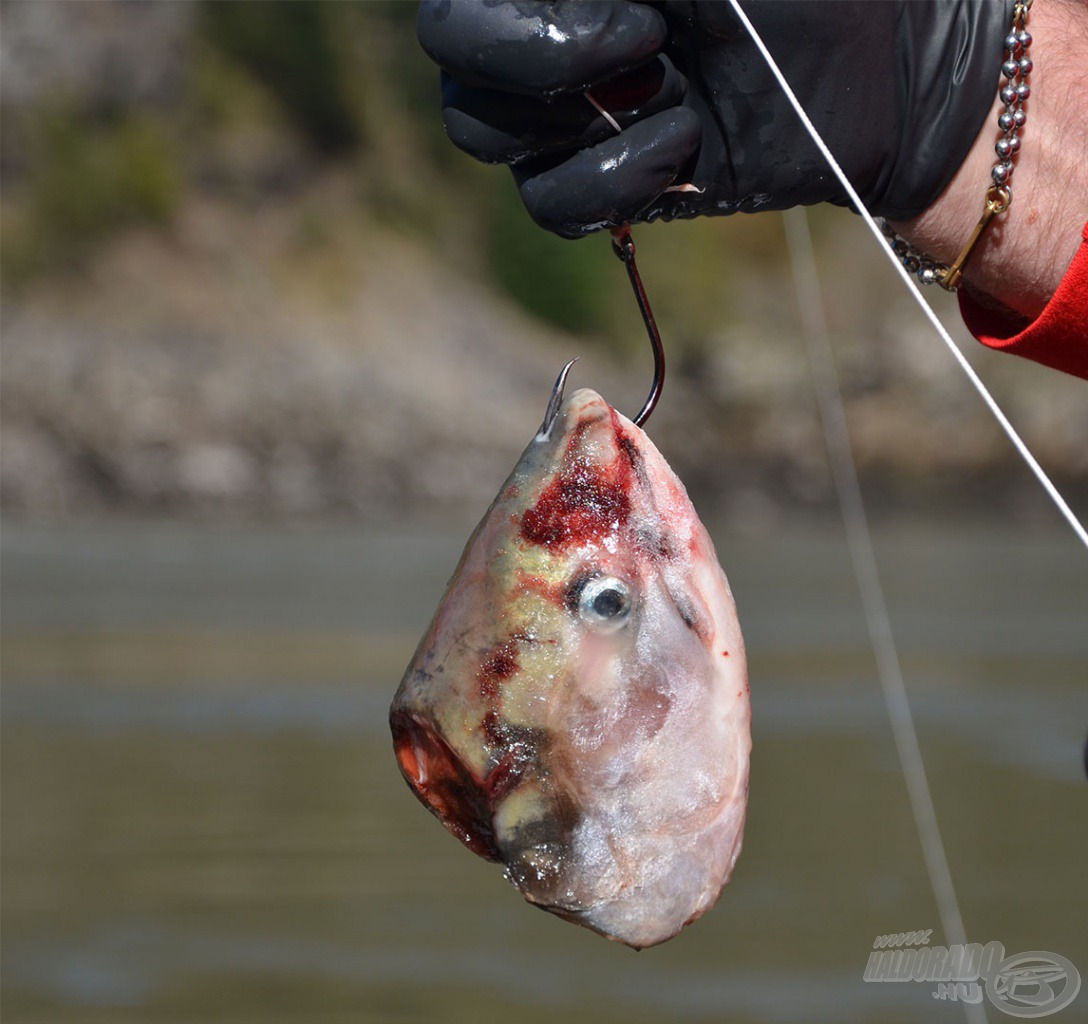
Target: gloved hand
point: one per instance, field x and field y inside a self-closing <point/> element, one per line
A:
<point x="898" y="88"/>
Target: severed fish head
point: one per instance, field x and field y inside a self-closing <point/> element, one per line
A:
<point x="578" y="709"/>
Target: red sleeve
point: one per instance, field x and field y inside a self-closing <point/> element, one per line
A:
<point x="1058" y="337"/>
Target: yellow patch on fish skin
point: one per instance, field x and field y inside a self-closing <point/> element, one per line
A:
<point x="525" y="805"/>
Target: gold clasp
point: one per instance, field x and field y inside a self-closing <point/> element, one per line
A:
<point x="998" y="200"/>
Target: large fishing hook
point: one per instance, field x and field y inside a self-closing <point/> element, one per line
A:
<point x="623" y="245"/>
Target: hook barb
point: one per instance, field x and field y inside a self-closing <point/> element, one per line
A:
<point x="623" y="245"/>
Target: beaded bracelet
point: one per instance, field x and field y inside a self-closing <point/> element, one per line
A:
<point x="1016" y="68"/>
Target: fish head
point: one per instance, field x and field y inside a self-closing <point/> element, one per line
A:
<point x="578" y="709"/>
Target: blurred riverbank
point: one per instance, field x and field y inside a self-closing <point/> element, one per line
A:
<point x="236" y="368"/>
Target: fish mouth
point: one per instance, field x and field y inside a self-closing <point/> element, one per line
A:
<point x="443" y="784"/>
<point x="526" y="824"/>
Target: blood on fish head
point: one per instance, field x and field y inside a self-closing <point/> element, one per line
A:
<point x="578" y="709"/>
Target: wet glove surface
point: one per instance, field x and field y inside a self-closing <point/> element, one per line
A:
<point x="898" y="89"/>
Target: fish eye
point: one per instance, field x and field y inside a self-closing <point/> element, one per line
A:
<point x="605" y="603"/>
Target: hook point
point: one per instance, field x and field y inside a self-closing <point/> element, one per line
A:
<point x="554" y="401"/>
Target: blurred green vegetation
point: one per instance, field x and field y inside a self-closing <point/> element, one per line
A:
<point x="294" y="47"/>
<point x="277" y="93"/>
<point x="87" y="181"/>
<point x="557" y="280"/>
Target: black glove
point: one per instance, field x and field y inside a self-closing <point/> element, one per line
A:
<point x="898" y="88"/>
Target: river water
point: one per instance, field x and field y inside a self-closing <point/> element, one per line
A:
<point x="203" y="820"/>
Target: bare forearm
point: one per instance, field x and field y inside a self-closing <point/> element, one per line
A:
<point x="1024" y="253"/>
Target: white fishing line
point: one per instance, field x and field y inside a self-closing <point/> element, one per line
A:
<point x="841" y="456"/>
<point x="912" y="285"/>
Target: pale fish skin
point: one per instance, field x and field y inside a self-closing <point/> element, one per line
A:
<point x="595" y="740"/>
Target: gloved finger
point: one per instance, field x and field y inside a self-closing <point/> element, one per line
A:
<point x="501" y="127"/>
<point x="537" y="48"/>
<point x="608" y="184"/>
